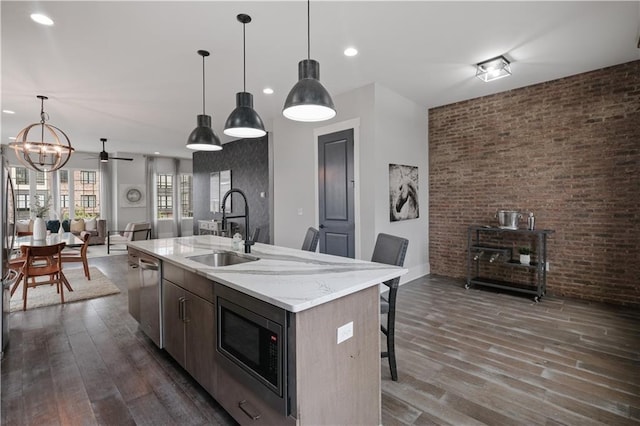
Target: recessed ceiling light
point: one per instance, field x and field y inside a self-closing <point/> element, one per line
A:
<point x="350" y="51"/>
<point x="157" y="153"/>
<point x="8" y="111"/>
<point x="41" y="19"/>
<point x="267" y="91"/>
<point x="13" y="138"/>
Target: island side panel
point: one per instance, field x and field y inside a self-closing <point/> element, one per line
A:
<point x="339" y="383"/>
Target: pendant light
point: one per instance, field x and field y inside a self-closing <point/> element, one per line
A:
<point x="203" y="138"/>
<point x="43" y="155"/>
<point x="308" y="100"/>
<point x="244" y="121"/>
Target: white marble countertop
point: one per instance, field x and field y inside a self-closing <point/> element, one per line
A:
<point x="291" y="279"/>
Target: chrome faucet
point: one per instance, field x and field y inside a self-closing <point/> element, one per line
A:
<point x="247" y="241"/>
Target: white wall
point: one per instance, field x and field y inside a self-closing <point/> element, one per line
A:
<point x="392" y="129"/>
<point x="401" y="138"/>
<point x="293" y="181"/>
<point x="126" y="173"/>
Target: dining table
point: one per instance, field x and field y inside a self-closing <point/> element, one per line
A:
<point x="70" y="240"/>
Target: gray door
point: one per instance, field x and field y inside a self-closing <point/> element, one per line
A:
<point x="335" y="192"/>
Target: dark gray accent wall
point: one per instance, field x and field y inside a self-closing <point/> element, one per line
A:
<point x="248" y="160"/>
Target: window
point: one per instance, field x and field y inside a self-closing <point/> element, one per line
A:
<point x="87" y="201"/>
<point x="64" y="201"/>
<point x="40" y="178"/>
<point x="84" y="194"/>
<point x="64" y="176"/>
<point x="22" y="202"/>
<point x="88" y="177"/>
<point x="21" y="175"/>
<point x="165" y="196"/>
<point x="186" y="199"/>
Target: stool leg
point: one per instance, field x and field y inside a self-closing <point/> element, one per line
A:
<point x="391" y="349"/>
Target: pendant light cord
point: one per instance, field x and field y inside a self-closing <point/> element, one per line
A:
<point x="244" y="58"/>
<point x="308" y="29"/>
<point x="42" y="119"/>
<point x="203" y="89"/>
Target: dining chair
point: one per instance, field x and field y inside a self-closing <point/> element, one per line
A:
<point x="391" y="250"/>
<point x="310" y="242"/>
<point x="17" y="264"/>
<point x="41" y="262"/>
<point x="79" y="256"/>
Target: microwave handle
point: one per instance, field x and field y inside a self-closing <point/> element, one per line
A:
<point x="249" y="409"/>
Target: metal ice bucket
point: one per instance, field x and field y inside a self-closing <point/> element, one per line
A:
<point x="508" y="219"/>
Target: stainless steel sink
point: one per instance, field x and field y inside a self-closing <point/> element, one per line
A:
<point x="223" y="258"/>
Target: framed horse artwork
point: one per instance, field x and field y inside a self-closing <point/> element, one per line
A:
<point x="403" y="192"/>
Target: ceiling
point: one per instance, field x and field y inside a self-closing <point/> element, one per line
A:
<point x="129" y="71"/>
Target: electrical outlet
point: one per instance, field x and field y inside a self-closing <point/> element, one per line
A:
<point x="345" y="332"/>
<point x="300" y="211"/>
<point x="547" y="266"/>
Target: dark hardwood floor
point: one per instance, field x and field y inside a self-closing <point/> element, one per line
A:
<point x="464" y="357"/>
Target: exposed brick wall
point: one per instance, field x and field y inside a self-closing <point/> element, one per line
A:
<point x="568" y="150"/>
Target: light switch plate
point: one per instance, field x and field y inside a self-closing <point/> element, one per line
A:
<point x="345" y="332"/>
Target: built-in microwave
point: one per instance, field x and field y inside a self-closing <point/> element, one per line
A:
<point x="252" y="345"/>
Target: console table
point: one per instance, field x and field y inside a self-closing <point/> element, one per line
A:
<point x="485" y="243"/>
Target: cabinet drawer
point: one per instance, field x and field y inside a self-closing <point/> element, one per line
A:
<point x="199" y="285"/>
<point x="172" y="273"/>
<point x="196" y="284"/>
<point x="244" y="406"/>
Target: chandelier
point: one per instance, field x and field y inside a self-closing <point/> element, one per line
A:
<point x="46" y="153"/>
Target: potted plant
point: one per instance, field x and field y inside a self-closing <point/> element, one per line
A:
<point x="525" y="255"/>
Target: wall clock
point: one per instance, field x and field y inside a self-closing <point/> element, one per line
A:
<point x="132" y="195"/>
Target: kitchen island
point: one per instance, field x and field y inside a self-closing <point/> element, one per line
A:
<point x="328" y="367"/>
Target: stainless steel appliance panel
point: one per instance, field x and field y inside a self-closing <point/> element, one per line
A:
<point x="151" y="298"/>
<point x="133" y="284"/>
<point x="7" y="236"/>
<point x="262" y="323"/>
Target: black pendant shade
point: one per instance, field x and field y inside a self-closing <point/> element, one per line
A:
<point x="308" y="100"/>
<point x="244" y="121"/>
<point x="203" y="138"/>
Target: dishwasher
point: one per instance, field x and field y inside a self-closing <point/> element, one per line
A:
<point x="145" y="291"/>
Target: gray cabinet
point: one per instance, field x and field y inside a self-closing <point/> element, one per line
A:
<point x="189" y="323"/>
<point x="172" y="303"/>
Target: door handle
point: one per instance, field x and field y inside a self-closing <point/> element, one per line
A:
<point x="181" y="308"/>
<point x="321" y="226"/>
<point x="184" y="310"/>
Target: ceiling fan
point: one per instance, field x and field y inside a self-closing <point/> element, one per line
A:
<point x="104" y="156"/>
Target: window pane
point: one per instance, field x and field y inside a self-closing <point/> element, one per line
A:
<point x="186" y="200"/>
<point x="165" y="196"/>
<point x="20" y="175"/>
<point x="86" y="193"/>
